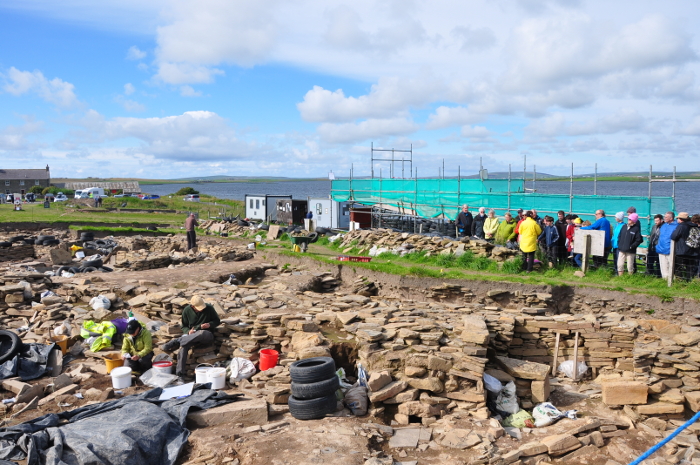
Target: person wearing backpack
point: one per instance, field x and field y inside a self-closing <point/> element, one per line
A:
<point x="687" y="246"/>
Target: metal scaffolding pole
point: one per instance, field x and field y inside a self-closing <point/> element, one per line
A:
<point x="595" y="180"/>
<point x="571" y="190"/>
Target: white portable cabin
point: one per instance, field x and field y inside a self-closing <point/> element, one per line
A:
<point x="262" y="207"/>
<point x="330" y="213"/>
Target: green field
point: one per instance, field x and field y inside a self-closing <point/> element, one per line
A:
<point x="70" y="212"/>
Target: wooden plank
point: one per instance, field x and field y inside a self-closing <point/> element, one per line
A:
<point x="556" y="355"/>
<point x="576" y="343"/>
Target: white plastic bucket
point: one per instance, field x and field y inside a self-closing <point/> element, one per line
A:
<point x="217" y="378"/>
<point x="201" y="374"/>
<point x="163" y="367"/>
<point x="121" y="377"/>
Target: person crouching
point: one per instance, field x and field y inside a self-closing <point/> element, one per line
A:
<point x="137" y="348"/>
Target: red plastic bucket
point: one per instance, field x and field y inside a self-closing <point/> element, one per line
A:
<point x="268" y="359"/>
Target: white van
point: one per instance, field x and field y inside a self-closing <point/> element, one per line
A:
<point x="85" y="193"/>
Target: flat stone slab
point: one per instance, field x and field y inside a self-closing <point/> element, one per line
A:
<point x="246" y="412"/>
<point x="523" y="369"/>
<point x="405" y="437"/>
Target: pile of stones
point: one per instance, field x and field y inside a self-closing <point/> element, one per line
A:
<point x="386" y="240"/>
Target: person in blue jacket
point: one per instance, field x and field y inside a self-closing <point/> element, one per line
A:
<point x="602" y="224"/>
<point x="663" y="246"/>
<point x="550" y="237"/>
<point x="620" y="218"/>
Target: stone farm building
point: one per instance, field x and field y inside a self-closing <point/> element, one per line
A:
<point x="20" y="181"/>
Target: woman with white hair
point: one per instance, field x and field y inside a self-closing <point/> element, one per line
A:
<point x="478" y="225"/>
<point x="491" y="225"/>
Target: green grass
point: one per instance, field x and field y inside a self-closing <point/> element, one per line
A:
<point x="469" y="267"/>
<point x="68" y="212"/>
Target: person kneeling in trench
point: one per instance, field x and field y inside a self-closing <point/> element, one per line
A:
<point x="198" y="322"/>
<point x="137" y="349"/>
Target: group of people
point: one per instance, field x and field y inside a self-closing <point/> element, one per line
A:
<point x="528" y="232"/>
<point x="199" y="319"/>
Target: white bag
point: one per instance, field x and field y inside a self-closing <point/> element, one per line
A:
<point x="567" y="368"/>
<point x="492" y="384"/>
<point x="239" y="369"/>
<point x="100" y="302"/>
<point x="546" y="414"/>
<point x="507" y="400"/>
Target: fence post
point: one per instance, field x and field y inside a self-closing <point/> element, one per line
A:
<point x="586" y="254"/>
<point x="671" y="263"/>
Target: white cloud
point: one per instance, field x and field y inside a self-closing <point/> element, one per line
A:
<point x="444" y="117"/>
<point x="476" y="133"/>
<point x="200" y="36"/>
<point x="135" y="54"/>
<point x="191" y="136"/>
<point x="623" y="120"/>
<point x="54" y="91"/>
<point x="365" y="130"/>
<point x="389" y="97"/>
<point x="129" y="88"/>
<point x="16" y="138"/>
<point x="474" y="39"/>
<point x="690" y="129"/>
<point x="188" y="91"/>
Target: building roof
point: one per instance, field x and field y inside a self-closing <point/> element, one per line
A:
<point x="10" y="175"/>
<point x="126" y="186"/>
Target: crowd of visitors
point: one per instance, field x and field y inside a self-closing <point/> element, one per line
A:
<point x="554" y="239"/>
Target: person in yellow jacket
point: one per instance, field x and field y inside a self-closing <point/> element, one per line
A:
<point x="529" y="232"/>
<point x="137" y="348"/>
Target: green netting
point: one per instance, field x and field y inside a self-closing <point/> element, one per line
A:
<point x="433" y="198"/>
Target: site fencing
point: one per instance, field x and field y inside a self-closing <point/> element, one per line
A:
<point x="443" y="198"/>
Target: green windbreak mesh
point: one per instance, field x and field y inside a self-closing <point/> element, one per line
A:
<point x="434" y="198"/>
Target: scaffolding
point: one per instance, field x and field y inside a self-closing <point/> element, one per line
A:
<point x="414" y="203"/>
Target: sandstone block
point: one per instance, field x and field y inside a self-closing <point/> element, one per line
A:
<point x="248" y="412"/>
<point x="625" y="393"/>
<point x="390" y="390"/>
<point x="439" y="363"/>
<point x="460" y="439"/>
<point x="687" y="339"/>
<point x="523" y="369"/>
<point x="406" y="396"/>
<point x="532" y="448"/>
<point x="560" y="444"/>
<point x="378" y="380"/>
<point x="426" y="384"/>
<point x="419" y="409"/>
<point x="659" y="408"/>
<point x="540" y="390"/>
<point x="692" y="398"/>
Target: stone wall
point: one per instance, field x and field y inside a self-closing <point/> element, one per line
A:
<point x="17" y="252"/>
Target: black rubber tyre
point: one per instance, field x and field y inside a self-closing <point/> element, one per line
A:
<point x="315" y="390"/>
<point x="9" y="345"/>
<point x="30" y="241"/>
<point x="322" y="230"/>
<point x="89" y="245"/>
<point x="313" y="236"/>
<point x="16" y="238"/>
<point x="94" y="263"/>
<point x="61" y="270"/>
<point x="87" y="237"/>
<point x="264" y="227"/>
<point x="5" y="244"/>
<point x="311" y="409"/>
<point x="312" y="370"/>
<point x="106" y="269"/>
<point x="52" y="242"/>
<point x="100" y="243"/>
<point x="45" y="238"/>
<point x="38" y="242"/>
<point x="73" y="270"/>
<point x="88" y="269"/>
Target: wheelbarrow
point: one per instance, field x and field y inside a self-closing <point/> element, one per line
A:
<point x="301" y="243"/>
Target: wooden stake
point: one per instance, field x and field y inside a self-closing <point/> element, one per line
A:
<point x="576" y="356"/>
<point x="556" y="355"/>
<point x="586" y="254"/>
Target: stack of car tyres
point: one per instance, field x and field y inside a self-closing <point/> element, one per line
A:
<point x="314" y="383"/>
<point x="87" y="236"/>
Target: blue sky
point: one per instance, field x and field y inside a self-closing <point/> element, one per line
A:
<point x="168" y="89"/>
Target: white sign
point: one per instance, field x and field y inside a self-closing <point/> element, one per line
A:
<point x="597" y="241"/>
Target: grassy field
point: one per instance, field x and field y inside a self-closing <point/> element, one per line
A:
<point x="68" y="212"/>
<point x="471" y="268"/>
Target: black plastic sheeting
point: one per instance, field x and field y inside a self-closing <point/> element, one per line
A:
<point x="29" y="363"/>
<point x="134" y="430"/>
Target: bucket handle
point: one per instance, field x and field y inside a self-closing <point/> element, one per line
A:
<point x="204" y="365"/>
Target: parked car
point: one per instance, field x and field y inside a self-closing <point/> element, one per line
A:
<point x="191" y="198"/>
<point x="60" y="197"/>
<point x="151" y="197"/>
<point x="50" y="197"/>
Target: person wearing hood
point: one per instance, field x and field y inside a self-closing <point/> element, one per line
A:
<point x="620" y="219"/>
<point x="629" y="239"/>
<point x="137" y="348"/>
